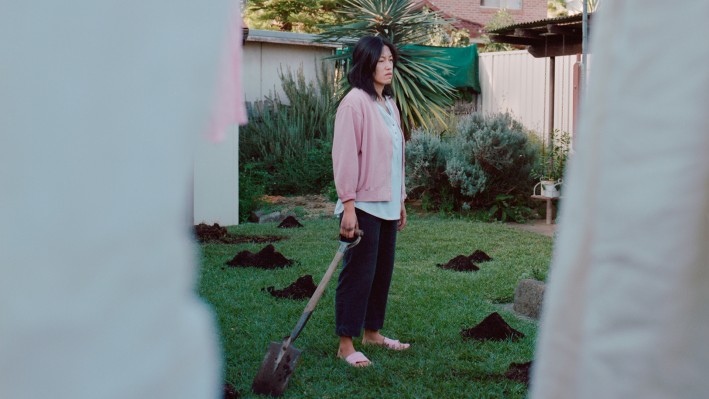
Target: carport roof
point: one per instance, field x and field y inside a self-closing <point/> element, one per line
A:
<point x="546" y="37"/>
<point x="278" y="37"/>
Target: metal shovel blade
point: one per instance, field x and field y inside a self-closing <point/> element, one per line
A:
<point x="272" y="378"/>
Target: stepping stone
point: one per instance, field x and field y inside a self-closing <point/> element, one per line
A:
<point x="529" y="295"/>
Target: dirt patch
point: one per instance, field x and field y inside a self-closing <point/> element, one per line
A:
<point x="267" y="258"/>
<point x="460" y="263"/>
<point x="494" y="328"/>
<point x="519" y="372"/>
<point x="230" y="392"/>
<point x="479" y="256"/>
<point x="304" y="287"/>
<point x="310" y="206"/>
<point x="289" y="223"/>
<point x="216" y="234"/>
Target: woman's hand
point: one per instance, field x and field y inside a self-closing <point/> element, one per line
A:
<point x="349" y="223"/>
<point x="402" y="217"/>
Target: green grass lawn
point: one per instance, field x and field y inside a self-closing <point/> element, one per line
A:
<point x="428" y="307"/>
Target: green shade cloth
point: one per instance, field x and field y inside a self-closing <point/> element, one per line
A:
<point x="462" y="62"/>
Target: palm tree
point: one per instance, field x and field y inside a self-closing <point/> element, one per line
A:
<point x="420" y="87"/>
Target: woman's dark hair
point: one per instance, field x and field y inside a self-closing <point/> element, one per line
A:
<point x="364" y="62"/>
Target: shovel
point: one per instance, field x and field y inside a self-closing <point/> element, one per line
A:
<point x="280" y="360"/>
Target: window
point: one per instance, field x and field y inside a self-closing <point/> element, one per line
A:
<point x="509" y="4"/>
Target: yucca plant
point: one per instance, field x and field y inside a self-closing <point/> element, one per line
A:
<point x="420" y="86"/>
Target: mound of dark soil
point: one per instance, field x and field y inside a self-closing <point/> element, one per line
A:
<point x="519" y="372"/>
<point x="205" y="232"/>
<point x="267" y="258"/>
<point x="289" y="223"/>
<point x="216" y="234"/>
<point x="304" y="287"/>
<point x="494" y="327"/>
<point x="460" y="263"/>
<point x="479" y="256"/>
<point x="230" y="392"/>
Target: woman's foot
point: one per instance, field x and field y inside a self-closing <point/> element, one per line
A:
<point x="355" y="359"/>
<point x="348" y="353"/>
<point x="375" y="338"/>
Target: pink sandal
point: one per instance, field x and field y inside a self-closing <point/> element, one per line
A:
<point x="392" y="344"/>
<point x="356" y="359"/>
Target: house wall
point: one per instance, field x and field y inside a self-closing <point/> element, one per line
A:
<point x="471" y="10"/>
<point x="516" y="82"/>
<point x="216" y="180"/>
<point x="215" y="196"/>
<point x="264" y="59"/>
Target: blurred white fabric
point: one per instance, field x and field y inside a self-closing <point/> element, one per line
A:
<point x="101" y="102"/>
<point x="626" y="312"/>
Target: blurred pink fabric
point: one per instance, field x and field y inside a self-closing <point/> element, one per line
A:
<point x="230" y="107"/>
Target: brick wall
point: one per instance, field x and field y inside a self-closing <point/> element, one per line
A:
<point x="471" y="10"/>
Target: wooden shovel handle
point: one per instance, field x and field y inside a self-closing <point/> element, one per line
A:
<point x="344" y="246"/>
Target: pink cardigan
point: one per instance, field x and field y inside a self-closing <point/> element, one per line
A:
<point x="362" y="150"/>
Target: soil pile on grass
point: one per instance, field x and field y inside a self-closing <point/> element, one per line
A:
<point x="290" y="222"/>
<point x="267" y="258"/>
<point x="230" y="392"/>
<point x="494" y="327"/>
<point x="304" y="287"/>
<point x="519" y="372"/>
<point x="205" y="232"/>
<point x="479" y="256"/>
<point x="216" y="234"/>
<point x="460" y="263"/>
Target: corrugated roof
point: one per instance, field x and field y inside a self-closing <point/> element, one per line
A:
<point x="577" y="18"/>
<point x="278" y="37"/>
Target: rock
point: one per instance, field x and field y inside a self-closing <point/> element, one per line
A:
<point x="529" y="295"/>
<point x="270" y="217"/>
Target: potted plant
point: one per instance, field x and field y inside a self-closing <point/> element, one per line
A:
<point x="552" y="162"/>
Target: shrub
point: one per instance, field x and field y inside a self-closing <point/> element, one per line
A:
<point x="292" y="138"/>
<point x="307" y="174"/>
<point x="485" y="163"/>
<point x="426" y="156"/>
<point x="492" y="157"/>
<point x="252" y="187"/>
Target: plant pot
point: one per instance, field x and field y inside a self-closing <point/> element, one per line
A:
<point x="549" y="188"/>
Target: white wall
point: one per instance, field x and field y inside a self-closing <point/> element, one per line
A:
<point x="263" y="60"/>
<point x="216" y="165"/>
<point x="516" y="82"/>
<point x="216" y="180"/>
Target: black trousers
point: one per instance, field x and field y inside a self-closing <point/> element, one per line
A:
<point x="363" y="284"/>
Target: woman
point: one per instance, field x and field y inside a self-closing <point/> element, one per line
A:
<point x="368" y="164"/>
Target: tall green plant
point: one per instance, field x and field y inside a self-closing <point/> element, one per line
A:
<point x="422" y="92"/>
<point x="290" y="139"/>
<point x="280" y="129"/>
<point x="552" y="159"/>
